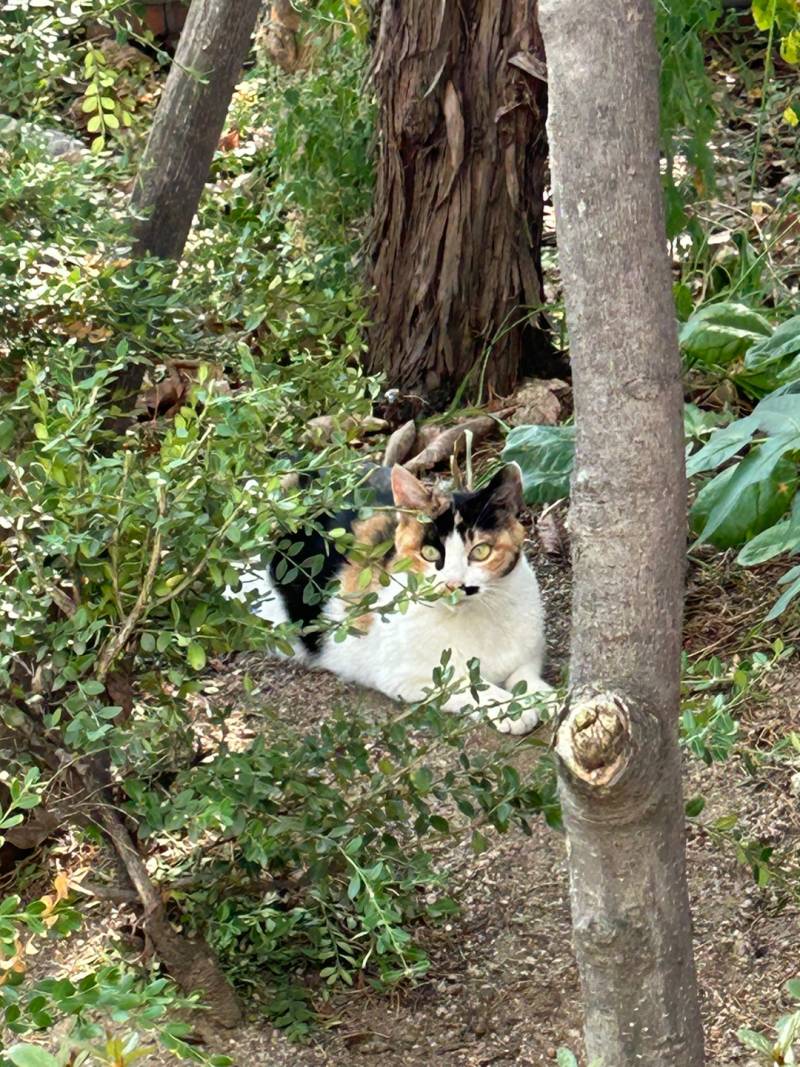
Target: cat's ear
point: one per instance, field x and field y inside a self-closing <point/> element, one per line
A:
<point x="409" y="493"/>
<point x="505" y="490"/>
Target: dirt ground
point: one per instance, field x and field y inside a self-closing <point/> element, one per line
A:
<point x="503" y="986"/>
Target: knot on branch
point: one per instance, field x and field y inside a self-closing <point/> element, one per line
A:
<point x="594" y="738"/>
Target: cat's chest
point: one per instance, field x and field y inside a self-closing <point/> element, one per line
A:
<point x="495" y="637"/>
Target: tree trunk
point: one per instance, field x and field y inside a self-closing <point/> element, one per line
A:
<point x="186" y="130"/>
<point x="617" y="741"/>
<point x="458" y="205"/>
<point x="189" y="121"/>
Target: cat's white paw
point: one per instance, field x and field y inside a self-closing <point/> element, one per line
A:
<point x="523" y="724"/>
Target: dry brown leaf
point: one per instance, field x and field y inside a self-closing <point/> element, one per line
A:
<point x="400" y="444"/>
<point x="321" y="428"/>
<point x="552" y="533"/>
<point x="165" y="397"/>
<point x="229" y="141"/>
<point x="449" y="442"/>
<point x="537" y="402"/>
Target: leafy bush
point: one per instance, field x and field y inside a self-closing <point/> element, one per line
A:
<point x="753" y="502"/>
<point x="688" y="110"/>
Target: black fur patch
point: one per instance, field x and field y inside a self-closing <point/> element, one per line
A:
<point x="485" y="509"/>
<point x="378" y="493"/>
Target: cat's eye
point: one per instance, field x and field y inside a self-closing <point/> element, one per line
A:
<point x="431" y="553"/>
<point x="480" y="552"/>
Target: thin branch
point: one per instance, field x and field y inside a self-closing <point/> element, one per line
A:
<point x="113" y="647"/>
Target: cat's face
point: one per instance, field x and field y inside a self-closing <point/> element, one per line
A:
<point x="464" y="542"/>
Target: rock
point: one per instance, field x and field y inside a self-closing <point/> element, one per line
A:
<point x="55" y="143"/>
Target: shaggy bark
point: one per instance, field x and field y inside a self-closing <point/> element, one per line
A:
<point x="279" y="37"/>
<point x="458" y="204"/>
<point x="189" y="121"/>
<point x="619" y="768"/>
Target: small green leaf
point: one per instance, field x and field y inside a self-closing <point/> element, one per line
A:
<point x="422" y="779"/>
<point x="694" y="806"/>
<point x="478" y="842"/>
<point x="195" y="655"/>
<point x="565" y="1058"/>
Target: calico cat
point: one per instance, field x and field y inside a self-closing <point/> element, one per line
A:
<point x="469" y="544"/>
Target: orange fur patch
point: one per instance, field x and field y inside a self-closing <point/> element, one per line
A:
<point x="506" y="547"/>
<point x="408" y="542"/>
<point x="375" y="530"/>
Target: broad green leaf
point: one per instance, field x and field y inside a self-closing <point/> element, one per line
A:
<point x="792" y="578"/>
<point x="565" y="1058"/>
<point x="545" y="455"/>
<point x="793" y="988"/>
<point x="722" y="446"/>
<point x="754" y="1040"/>
<point x="31" y="1056"/>
<point x="778" y="413"/>
<point x="748" y="497"/>
<point x="698" y="423"/>
<point x="782" y="348"/>
<point x="784" y="536"/>
<point x="788" y="1032"/>
<point x="719" y="333"/>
